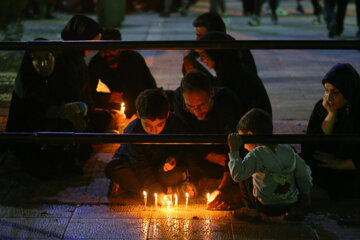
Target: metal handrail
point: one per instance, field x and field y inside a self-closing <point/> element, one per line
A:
<point x="168" y="139"/>
<point x="179" y="45"/>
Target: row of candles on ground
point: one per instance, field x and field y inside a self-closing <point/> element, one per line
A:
<point x="168" y="200"/>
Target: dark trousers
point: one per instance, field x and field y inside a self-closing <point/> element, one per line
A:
<point x="130" y="179"/>
<point x="215" y="4"/>
<point x="316" y="6"/>
<point x="258" y="6"/>
<point x="246" y="189"/>
<point x="335" y="18"/>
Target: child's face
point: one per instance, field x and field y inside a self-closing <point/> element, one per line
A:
<point x="153" y="126"/>
<point x="248" y="146"/>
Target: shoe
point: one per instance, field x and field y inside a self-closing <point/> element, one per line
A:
<point x="274" y="19"/>
<point x="164" y="14"/>
<point x="183" y="12"/>
<point x="248" y="214"/>
<point x="114" y="189"/>
<point x="254" y="22"/>
<point x="332" y="31"/>
<point x="300" y="9"/>
<point x="317" y="20"/>
<point x="281" y="12"/>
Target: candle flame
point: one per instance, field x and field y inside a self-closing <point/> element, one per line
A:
<point x="122" y="108"/>
<point x="187" y="195"/>
<point x="155" y="195"/>
<point x="208" y="196"/>
<point x="169" y="203"/>
<point x="145" y="194"/>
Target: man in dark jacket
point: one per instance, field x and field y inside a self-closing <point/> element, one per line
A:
<point x="124" y="72"/>
<point x="207" y="110"/>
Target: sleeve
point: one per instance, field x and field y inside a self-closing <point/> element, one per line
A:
<point x="303" y="175"/>
<point x="241" y="169"/>
<point x="314" y="127"/>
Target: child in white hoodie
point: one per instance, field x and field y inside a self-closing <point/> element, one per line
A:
<point x="271" y="176"/>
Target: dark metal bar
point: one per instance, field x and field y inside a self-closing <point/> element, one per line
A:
<point x="178" y="45"/>
<point x="168" y="139"/>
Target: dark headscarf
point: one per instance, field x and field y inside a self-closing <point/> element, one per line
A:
<point x="223" y="57"/>
<point x="211" y="21"/>
<point x="345" y="78"/>
<point x="81" y="27"/>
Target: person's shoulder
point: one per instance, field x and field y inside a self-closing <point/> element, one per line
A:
<point x="131" y="54"/>
<point x="134" y="127"/>
<point x="226" y="95"/>
<point x="173" y="124"/>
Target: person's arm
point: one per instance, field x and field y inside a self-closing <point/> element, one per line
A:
<point x="327" y="125"/>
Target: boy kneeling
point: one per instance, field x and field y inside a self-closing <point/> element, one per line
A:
<point x="279" y="175"/>
<point x="153" y="168"/>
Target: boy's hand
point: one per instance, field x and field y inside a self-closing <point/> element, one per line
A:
<point x="234" y="142"/>
<point x="170" y="164"/>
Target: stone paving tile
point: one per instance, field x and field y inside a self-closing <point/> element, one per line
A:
<point x="98" y="228"/>
<point x="32" y="228"/>
<point x="36" y="211"/>
<point x="294" y="231"/>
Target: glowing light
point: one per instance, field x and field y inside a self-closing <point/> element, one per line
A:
<point x="145" y="198"/>
<point x="156" y="200"/>
<point x="187" y="200"/>
<point x="122" y="108"/>
<point x="176" y="200"/>
<point x="208" y="197"/>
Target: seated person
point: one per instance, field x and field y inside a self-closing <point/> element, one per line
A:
<point x="208" y="22"/>
<point x="124" y="72"/>
<point x="271" y="176"/>
<point x="231" y="72"/>
<point x="336" y="166"/>
<point x="152" y="168"/>
<point x="204" y="109"/>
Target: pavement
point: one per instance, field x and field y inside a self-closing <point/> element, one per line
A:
<point x="79" y="208"/>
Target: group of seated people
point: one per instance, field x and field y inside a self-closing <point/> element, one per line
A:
<point x="57" y="92"/>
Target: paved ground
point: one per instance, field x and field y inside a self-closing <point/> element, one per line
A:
<point x="79" y="208"/>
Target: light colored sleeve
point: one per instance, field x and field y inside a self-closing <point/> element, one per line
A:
<point x="303" y="175"/>
<point x="241" y="169"/>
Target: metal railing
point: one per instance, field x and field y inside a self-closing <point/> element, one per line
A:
<point x="210" y="139"/>
<point x="167" y="139"/>
<point x="179" y="45"/>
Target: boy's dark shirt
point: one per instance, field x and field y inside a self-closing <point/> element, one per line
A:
<point x="131" y="77"/>
<point x="147" y="159"/>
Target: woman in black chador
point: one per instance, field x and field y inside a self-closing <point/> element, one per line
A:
<point x="335" y="166"/>
<point x="51" y="94"/>
<point x="234" y="73"/>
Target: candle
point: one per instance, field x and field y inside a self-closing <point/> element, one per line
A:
<point x="208" y="198"/>
<point x="187" y="200"/>
<point x="168" y="205"/>
<point x="176" y="200"/>
<point x="145" y="198"/>
<point x="156" y="200"/>
<point x="122" y="108"/>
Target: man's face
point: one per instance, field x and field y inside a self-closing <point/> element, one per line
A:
<point x="199" y="103"/>
<point x="204" y="57"/>
<point x="200" y="31"/>
<point x="110" y="56"/>
<point x="153" y="126"/>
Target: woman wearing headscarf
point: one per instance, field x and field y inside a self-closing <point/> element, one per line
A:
<point x="335" y="166"/>
<point x="208" y="22"/>
<point x="234" y="73"/>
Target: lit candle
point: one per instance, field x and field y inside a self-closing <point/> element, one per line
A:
<point x="145" y="198"/>
<point x="122" y="108"/>
<point x="168" y="205"/>
<point x="156" y="203"/>
<point x="208" y="198"/>
<point x="176" y="200"/>
<point x="187" y="200"/>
